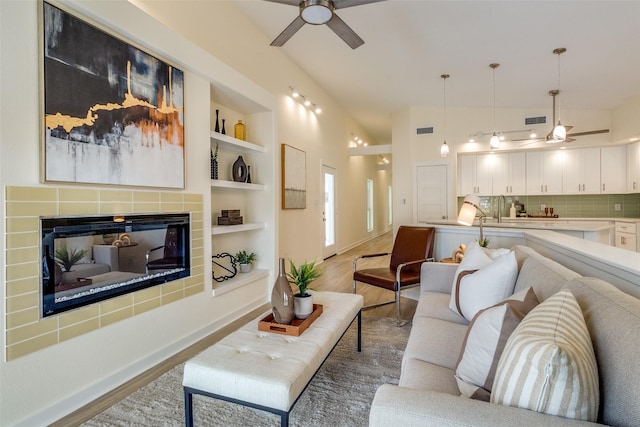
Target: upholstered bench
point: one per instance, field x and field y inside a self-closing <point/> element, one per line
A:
<point x="265" y="370"/>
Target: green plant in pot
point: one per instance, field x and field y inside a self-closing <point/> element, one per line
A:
<point x="245" y="259"/>
<point x="302" y="275"/>
<point x="67" y="259"/>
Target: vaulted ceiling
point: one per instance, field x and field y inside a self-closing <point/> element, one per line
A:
<point x="410" y="43"/>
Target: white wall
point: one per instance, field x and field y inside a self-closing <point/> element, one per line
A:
<point x="46" y="385"/>
<point x="626" y="123"/>
<point x="224" y="31"/>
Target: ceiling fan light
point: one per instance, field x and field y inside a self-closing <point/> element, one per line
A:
<point x="316" y="12"/>
<point x="444" y="149"/>
<point x="560" y="132"/>
<point x="494" y="142"/>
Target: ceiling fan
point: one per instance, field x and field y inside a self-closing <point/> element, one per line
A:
<point x="318" y="12"/>
<point x="570" y="136"/>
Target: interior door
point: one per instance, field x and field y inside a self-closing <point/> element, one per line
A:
<point x="329" y="212"/>
<point x="431" y="192"/>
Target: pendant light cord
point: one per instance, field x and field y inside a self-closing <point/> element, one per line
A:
<point x="494" y="100"/>
<point x="444" y="102"/>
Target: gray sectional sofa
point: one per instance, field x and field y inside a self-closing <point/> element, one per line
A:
<point x="428" y="394"/>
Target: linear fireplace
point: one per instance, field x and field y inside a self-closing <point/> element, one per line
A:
<point x="92" y="258"/>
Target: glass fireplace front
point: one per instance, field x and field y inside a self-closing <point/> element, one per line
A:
<point x="92" y="258"/>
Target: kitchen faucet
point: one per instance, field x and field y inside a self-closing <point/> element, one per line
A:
<point x="500" y="207"/>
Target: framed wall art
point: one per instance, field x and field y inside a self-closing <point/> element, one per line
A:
<point x="112" y="113"/>
<point x="294" y="186"/>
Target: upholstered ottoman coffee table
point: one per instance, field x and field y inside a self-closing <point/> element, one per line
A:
<point x="269" y="371"/>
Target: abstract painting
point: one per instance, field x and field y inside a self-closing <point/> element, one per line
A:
<point x="113" y="114"/>
<point x="294" y="186"/>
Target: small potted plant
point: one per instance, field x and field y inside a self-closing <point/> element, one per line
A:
<point x="67" y="259"/>
<point x="302" y="276"/>
<point x="245" y="259"/>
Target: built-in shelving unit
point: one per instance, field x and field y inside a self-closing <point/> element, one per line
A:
<point x="237" y="185"/>
<point x="231" y="142"/>
<point x="240" y="280"/>
<point x="256" y="200"/>
<point x="225" y="229"/>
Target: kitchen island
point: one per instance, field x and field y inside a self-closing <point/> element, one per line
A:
<point x="596" y="231"/>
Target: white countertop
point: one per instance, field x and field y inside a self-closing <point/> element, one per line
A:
<point x="537" y="224"/>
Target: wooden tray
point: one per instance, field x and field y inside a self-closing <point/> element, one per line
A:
<point x="297" y="326"/>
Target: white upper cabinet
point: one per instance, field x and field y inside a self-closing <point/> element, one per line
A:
<point x="581" y="171"/>
<point x="544" y="172"/>
<point x="590" y="170"/>
<point x="613" y="169"/>
<point x="633" y="167"/>
<point x="474" y="174"/>
<point x="509" y="174"/>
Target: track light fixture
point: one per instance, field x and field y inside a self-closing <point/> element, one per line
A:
<point x="304" y="100"/>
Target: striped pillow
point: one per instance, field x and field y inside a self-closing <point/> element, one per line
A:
<point x="548" y="364"/>
<point x="486" y="337"/>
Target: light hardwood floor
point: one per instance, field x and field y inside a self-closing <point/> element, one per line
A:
<point x="337" y="272"/>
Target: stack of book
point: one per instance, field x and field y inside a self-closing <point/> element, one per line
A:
<point x="230" y="217"/>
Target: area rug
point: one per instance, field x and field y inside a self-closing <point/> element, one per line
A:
<point x="339" y="395"/>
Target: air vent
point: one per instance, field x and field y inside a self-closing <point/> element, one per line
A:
<point x="541" y="120"/>
<point x="423" y="131"/>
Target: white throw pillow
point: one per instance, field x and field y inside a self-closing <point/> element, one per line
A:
<point x="474" y="259"/>
<point x="485" y="287"/>
<point x="548" y="364"/>
<point x="486" y="338"/>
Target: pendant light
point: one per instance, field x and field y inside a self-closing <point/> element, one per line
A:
<point x="559" y="132"/>
<point x="444" y="148"/>
<point x="494" y="142"/>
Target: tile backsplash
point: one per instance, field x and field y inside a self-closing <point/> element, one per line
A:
<point x="569" y="206"/>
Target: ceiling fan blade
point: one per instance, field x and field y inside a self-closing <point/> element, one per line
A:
<point x="591" y="132"/>
<point x="288" y="32"/>
<point x="341" y="4"/>
<point x="532" y="140"/>
<point x="287" y="2"/>
<point x="345" y="32"/>
<point x="529" y="142"/>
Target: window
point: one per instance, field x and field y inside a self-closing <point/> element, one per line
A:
<point x="369" y="205"/>
<point x="390" y="204"/>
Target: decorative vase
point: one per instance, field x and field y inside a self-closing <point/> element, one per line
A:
<point x="282" y="298"/>
<point x="217" y="129"/>
<point x="224" y="131"/>
<point x="248" y="174"/>
<point x="239" y="173"/>
<point x="303" y="306"/>
<point x="245" y="268"/>
<point x="240" y="130"/>
<point x="214" y="168"/>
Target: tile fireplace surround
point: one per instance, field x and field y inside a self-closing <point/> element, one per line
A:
<point x="26" y="332"/>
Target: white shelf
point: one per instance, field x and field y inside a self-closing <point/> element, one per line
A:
<point x="233" y="143"/>
<point x="240" y="280"/>
<point x="225" y="229"/>
<point x="221" y="183"/>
